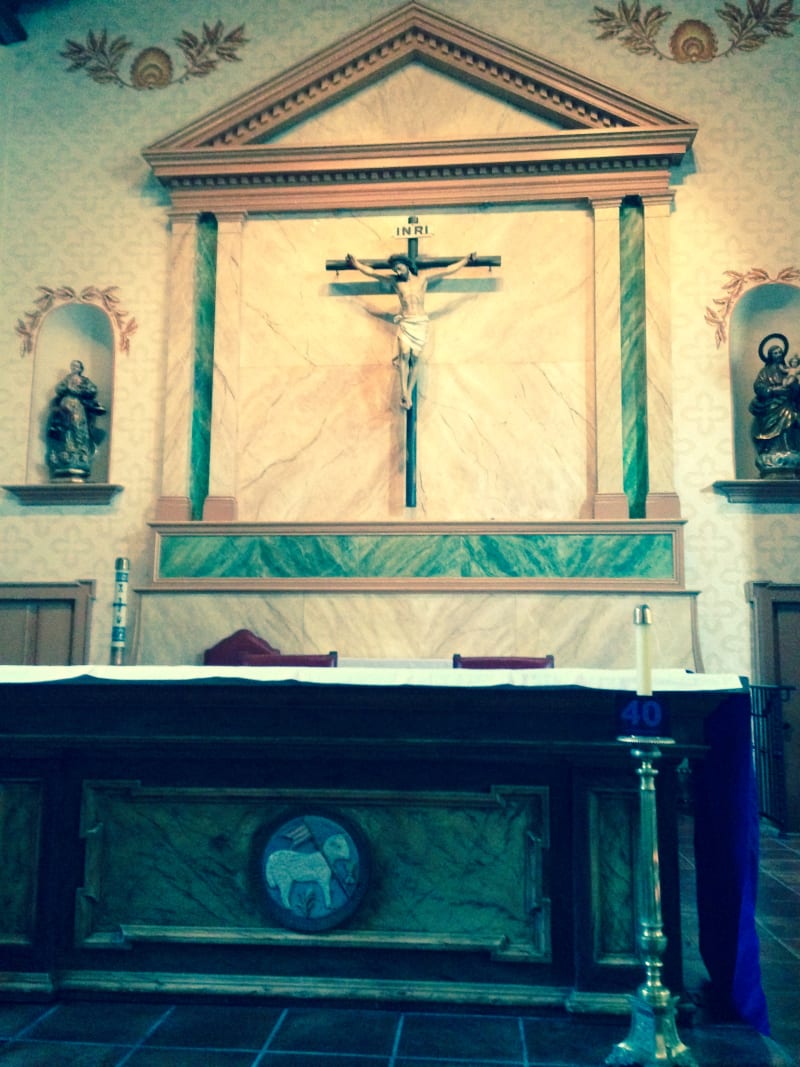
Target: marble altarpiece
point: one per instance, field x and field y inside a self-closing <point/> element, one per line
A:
<point x="544" y="457"/>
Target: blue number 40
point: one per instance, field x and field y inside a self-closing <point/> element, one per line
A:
<point x="642" y="713"/>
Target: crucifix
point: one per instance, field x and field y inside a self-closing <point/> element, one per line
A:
<point x="409" y="276"/>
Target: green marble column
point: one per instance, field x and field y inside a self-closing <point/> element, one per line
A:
<point x="634" y="356"/>
<point x="205" y="287"/>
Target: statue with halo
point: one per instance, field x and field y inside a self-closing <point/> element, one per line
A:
<point x="776" y="409"/>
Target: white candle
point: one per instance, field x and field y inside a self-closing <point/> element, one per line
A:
<point x="642" y="620"/>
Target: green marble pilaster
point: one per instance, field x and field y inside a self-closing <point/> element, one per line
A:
<point x="634" y="357"/>
<point x="610" y="501"/>
<point x="177" y="461"/>
<point x="205" y="288"/>
<point x="220" y="503"/>
<point x="662" y="500"/>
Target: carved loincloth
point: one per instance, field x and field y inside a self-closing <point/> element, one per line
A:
<point x="414" y="330"/>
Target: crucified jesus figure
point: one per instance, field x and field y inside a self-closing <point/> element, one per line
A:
<point x="412" y="322"/>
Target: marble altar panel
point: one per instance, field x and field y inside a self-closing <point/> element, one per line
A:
<point x="613" y="851"/>
<point x="158" y="859"/>
<point x="402" y="626"/>
<point x="595" y="629"/>
<point x="21" y="806"/>
<point x="179" y="628"/>
<point x="579" y="629"/>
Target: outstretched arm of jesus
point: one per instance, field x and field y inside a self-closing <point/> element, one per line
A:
<point x="432" y="275"/>
<point x="353" y="262"/>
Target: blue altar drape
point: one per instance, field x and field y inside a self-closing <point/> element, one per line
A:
<point x="726" y="859"/>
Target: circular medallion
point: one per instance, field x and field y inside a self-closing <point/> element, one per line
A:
<point x="314" y="869"/>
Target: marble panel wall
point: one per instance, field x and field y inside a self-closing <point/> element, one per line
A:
<point x="503" y="416"/>
<point x="579" y="629"/>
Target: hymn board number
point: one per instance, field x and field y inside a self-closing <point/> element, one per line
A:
<point x="409" y="275"/>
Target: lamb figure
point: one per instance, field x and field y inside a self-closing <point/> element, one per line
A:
<point x="285" y="867"/>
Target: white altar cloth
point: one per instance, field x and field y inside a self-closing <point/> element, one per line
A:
<point x="383" y="672"/>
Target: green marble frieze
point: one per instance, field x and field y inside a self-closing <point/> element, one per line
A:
<point x="647" y="553"/>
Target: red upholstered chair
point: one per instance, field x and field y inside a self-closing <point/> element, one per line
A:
<point x="290" y="659"/>
<point x="244" y="649"/>
<point x="485" y="663"/>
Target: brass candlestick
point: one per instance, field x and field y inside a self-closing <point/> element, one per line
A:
<point x="653" y="1037"/>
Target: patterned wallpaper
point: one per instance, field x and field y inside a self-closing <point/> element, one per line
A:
<point x="78" y="208"/>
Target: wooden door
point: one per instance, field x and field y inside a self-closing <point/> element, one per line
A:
<point x="44" y="623"/>
<point x="776" y="661"/>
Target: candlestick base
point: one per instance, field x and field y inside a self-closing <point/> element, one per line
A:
<point x="653" y="1038"/>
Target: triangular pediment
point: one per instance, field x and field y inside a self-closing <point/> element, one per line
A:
<point x="266" y="136"/>
<point x="389" y="111"/>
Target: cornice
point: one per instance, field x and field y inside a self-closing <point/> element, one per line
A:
<point x="633" y="147"/>
<point x="364" y="191"/>
<point x="572" y="167"/>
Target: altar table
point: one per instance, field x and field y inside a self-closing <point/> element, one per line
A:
<point x="497" y="812"/>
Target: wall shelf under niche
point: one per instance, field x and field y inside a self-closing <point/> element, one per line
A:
<point x="760" y="490"/>
<point x="66" y="493"/>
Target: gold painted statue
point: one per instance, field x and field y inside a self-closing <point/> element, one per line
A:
<point x="71" y="432"/>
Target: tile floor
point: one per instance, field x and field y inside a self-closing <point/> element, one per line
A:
<point x="149" y="1034"/>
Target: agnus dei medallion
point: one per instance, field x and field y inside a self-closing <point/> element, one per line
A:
<point x="314" y="869"/>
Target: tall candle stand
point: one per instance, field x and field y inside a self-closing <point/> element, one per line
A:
<point x="653" y="1037"/>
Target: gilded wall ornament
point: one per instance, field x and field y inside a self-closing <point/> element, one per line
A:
<point x="152" y="68"/>
<point x="105" y="299"/>
<point x="694" y="41"/>
<point x="738" y="283"/>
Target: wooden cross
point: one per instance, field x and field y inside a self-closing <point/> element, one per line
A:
<point x="439" y="266"/>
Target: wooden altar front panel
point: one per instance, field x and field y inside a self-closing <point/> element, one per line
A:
<point x="501" y="822"/>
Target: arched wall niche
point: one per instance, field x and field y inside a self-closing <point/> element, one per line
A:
<point x="71" y="332"/>
<point x="773" y="307"/>
<point x="67" y="325"/>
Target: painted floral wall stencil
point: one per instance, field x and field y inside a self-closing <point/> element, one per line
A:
<point x="692" y="40"/>
<point x="52" y="298"/>
<point x="152" y="68"/>
<point x="738" y="283"/>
